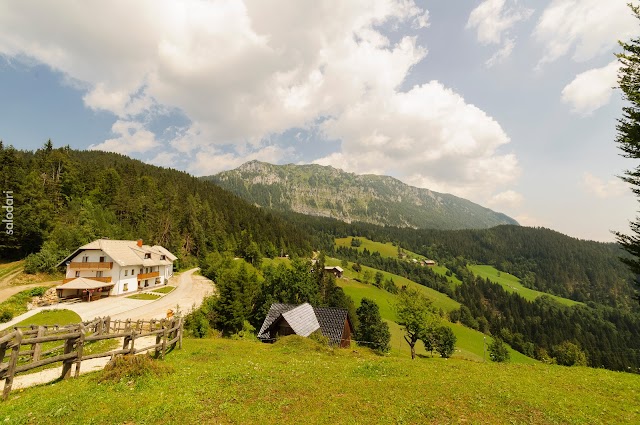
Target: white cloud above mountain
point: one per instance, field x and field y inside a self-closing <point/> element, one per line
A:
<point x="591" y="89"/>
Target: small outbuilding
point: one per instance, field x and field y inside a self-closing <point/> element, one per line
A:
<point x="337" y="271"/>
<point x="303" y="320"/>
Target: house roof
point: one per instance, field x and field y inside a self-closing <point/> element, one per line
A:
<point x="127" y="253"/>
<point x="330" y="320"/>
<point x="302" y="319"/>
<point x="84" y="283"/>
<point x="334" y="268"/>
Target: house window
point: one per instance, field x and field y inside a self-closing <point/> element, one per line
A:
<point x="163" y="257"/>
<point x="147" y="255"/>
<point x="126" y="272"/>
<point x="99" y="274"/>
<point x="85" y="259"/>
<point x="146" y="282"/>
<point x="125" y="287"/>
<point x="102" y="259"/>
<point x="78" y="273"/>
<point x="141" y="270"/>
<point x="132" y="272"/>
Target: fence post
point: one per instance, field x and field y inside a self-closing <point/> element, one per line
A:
<point x="180" y="329"/>
<point x="107" y="324"/>
<point x="8" y="382"/>
<point x="164" y="340"/>
<point x="132" y="350"/>
<point x="66" y="364"/>
<point x="79" y="350"/>
<point x="37" y="347"/>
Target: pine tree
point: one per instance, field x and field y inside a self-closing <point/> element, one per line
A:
<point x="628" y="137"/>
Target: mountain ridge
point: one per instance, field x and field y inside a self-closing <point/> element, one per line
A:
<point x="326" y="191"/>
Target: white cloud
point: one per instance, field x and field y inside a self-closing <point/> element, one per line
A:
<point x="591" y="89"/>
<point x="130" y="137"/>
<point x="431" y="134"/>
<point x="506" y="199"/>
<point x="502" y="54"/>
<point x="613" y="188"/>
<point x="585" y="28"/>
<point x="493" y="18"/>
<point x="244" y="71"/>
<point x="164" y="159"/>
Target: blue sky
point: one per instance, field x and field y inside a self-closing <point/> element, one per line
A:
<point x="507" y="103"/>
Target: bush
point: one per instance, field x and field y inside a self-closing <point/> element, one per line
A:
<point x="569" y="354"/>
<point x="318" y="337"/>
<point x="445" y="342"/>
<point x="131" y="367"/>
<point x="5" y="316"/>
<point x="498" y="351"/>
<point x="38" y="292"/>
<point x="356" y="242"/>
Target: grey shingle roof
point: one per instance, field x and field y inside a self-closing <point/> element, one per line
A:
<point x="330" y="320"/>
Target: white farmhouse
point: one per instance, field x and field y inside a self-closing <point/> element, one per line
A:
<point x="107" y="267"/>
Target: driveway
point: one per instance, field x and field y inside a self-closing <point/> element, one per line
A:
<point x="189" y="293"/>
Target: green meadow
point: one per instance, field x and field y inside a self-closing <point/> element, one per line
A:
<point x="512" y="284"/>
<point x="296" y="380"/>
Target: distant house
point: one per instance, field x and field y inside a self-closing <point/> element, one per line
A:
<point x="108" y="267"/>
<point x="303" y="320"/>
<point x="335" y="270"/>
<point x="429" y="263"/>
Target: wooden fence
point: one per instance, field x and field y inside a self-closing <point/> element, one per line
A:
<point x="73" y="339"/>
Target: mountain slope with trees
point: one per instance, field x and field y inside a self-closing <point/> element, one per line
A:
<point x="329" y="192"/>
<point x="65" y="198"/>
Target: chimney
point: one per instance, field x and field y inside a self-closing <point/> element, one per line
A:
<point x="140" y="243"/>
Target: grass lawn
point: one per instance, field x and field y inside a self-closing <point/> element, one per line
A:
<point x="388" y="249"/>
<point x="164" y="289"/>
<point x="16" y="304"/>
<point x="512" y="284"/>
<point x="144" y="296"/>
<point x="297" y="381"/>
<point x="51" y="317"/>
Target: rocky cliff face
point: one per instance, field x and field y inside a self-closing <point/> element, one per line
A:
<point x="330" y="192"/>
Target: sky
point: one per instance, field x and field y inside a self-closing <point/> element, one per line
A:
<point x="511" y="104"/>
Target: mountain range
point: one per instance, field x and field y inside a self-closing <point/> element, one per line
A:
<point x="330" y="192"/>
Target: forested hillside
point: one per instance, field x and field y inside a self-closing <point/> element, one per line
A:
<point x="543" y="259"/>
<point x="330" y="192"/>
<point x="64" y="198"/>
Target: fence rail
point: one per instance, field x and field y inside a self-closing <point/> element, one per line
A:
<point x="74" y="338"/>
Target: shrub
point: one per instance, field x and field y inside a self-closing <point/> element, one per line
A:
<point x="38" y="292"/>
<point x="498" y="351"/>
<point x="5" y="316"/>
<point x="132" y="367"/>
<point x="318" y="337"/>
<point x="569" y="354"/>
<point x="445" y="342"/>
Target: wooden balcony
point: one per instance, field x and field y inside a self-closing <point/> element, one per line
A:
<point x="143" y="276"/>
<point x="106" y="279"/>
<point x="76" y="265"/>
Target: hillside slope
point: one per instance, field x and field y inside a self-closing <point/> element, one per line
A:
<point x="296" y="381"/>
<point x="330" y="192"/>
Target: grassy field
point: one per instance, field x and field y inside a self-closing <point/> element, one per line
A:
<point x="16" y="304"/>
<point x="388" y="249"/>
<point x="145" y="296"/>
<point x="439" y="299"/>
<point x="164" y="289"/>
<point x="470" y="342"/>
<point x="512" y="284"/>
<point x="51" y="317"/>
<point x="297" y="381"/>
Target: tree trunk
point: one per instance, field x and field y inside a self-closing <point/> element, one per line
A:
<point x="413" y="351"/>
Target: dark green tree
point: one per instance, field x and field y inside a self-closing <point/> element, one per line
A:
<point x="628" y="137"/>
<point x="569" y="354"/>
<point x="372" y="331"/>
<point x="498" y="351"/>
<point x="445" y="341"/>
